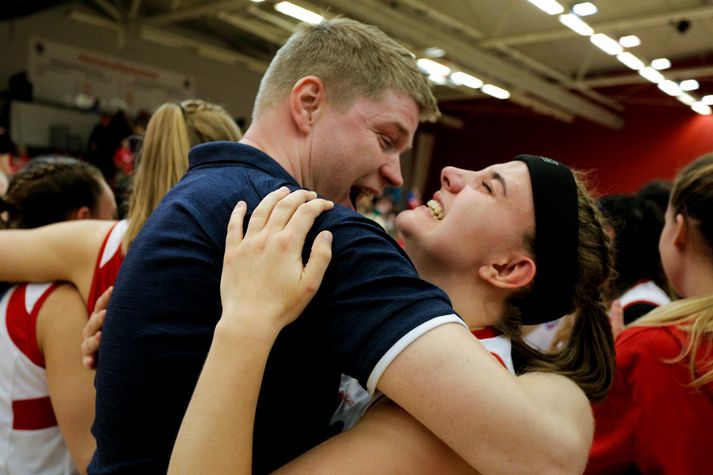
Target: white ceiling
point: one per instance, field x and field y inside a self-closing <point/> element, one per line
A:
<point x="546" y="67"/>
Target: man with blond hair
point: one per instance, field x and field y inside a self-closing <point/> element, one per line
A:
<point x="337" y="106"/>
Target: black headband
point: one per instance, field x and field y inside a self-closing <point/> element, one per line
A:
<point x="554" y="194"/>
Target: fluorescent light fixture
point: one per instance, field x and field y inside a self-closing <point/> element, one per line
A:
<point x="495" y="91"/>
<point x="660" y="64"/>
<point x="463" y="79"/>
<point x="686" y="99"/>
<point x="585" y="9"/>
<point x="606" y="44"/>
<point x="707" y="100"/>
<point x="689" y="85"/>
<point x="631" y="61"/>
<point x="301" y="14"/>
<point x="629" y="41"/>
<point x="436" y="79"/>
<point x="434" y="52"/>
<point x="257" y="1"/>
<point x="670" y="88"/>
<point x="574" y="23"/>
<point x="701" y="108"/>
<point x="551" y="7"/>
<point x="652" y="75"/>
<point x="433" y="68"/>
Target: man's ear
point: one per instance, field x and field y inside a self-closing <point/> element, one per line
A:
<point x="306" y="99"/>
<point x="514" y="273"/>
<point x="81" y="213"/>
<point x="681" y="232"/>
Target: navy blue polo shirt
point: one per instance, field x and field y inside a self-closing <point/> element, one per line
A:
<point x="166" y="303"/>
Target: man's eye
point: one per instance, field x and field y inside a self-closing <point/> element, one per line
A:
<point x="386" y="141"/>
<point x="487" y="186"/>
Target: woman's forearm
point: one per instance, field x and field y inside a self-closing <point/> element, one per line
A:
<point x="217" y="430"/>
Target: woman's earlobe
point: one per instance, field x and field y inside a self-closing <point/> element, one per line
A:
<point x="81" y="213"/>
<point x="514" y="274"/>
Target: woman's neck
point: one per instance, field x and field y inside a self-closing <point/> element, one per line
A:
<point x="473" y="300"/>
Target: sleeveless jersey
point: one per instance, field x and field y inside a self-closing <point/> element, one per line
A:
<point x="30" y="440"/>
<point x="354" y="400"/>
<point x="108" y="263"/>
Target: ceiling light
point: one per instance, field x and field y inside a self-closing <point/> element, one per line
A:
<point x="301" y="14"/>
<point x="707" y="100"/>
<point x="551" y="7"/>
<point x="574" y="23"/>
<point x="434" y="52"/>
<point x="436" y="79"/>
<point x="433" y="68"/>
<point x="701" y="108"/>
<point x="686" y="99"/>
<point x="495" y="91"/>
<point x="652" y="75"/>
<point x="606" y="44"/>
<point x="631" y="61"/>
<point x="585" y="9"/>
<point x="257" y="1"/>
<point x="661" y="63"/>
<point x="463" y="79"/>
<point x="629" y="41"/>
<point x="689" y="85"/>
<point x="670" y="88"/>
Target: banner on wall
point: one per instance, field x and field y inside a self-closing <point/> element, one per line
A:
<point x="90" y="80"/>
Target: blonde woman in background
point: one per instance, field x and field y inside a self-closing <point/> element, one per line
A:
<point x="88" y="253"/>
<point x="659" y="413"/>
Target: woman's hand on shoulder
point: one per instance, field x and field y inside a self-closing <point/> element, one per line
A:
<point x="264" y="282"/>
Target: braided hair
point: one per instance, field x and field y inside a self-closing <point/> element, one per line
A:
<point x="48" y="190"/>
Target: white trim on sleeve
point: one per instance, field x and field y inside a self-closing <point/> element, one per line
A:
<point x="405" y="341"/>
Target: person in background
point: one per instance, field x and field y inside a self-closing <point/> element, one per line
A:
<point x="46" y="396"/>
<point x="657" y="192"/>
<point x="88" y="254"/>
<point x="3" y="183"/>
<point x="658" y="416"/>
<point x="640" y="282"/>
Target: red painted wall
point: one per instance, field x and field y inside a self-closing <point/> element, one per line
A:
<point x="655" y="142"/>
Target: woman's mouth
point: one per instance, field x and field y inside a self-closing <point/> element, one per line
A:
<point x="436" y="209"/>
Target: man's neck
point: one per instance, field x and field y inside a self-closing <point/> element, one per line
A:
<point x="276" y="137"/>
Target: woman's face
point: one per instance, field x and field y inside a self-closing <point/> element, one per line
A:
<point x="476" y="218"/>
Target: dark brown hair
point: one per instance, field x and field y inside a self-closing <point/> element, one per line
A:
<point x="48" y="190"/>
<point x="588" y="357"/>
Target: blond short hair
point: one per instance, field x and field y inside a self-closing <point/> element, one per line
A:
<point x="353" y="60"/>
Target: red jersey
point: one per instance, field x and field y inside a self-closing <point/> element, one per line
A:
<point x="653" y="421"/>
<point x="108" y="263"/>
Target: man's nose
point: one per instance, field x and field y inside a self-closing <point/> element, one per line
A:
<point x="392" y="172"/>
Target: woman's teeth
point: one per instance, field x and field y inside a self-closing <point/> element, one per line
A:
<point x="436" y="209"/>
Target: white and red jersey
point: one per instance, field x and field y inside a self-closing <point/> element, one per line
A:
<point x="646" y="292"/>
<point x="354" y="400"/>
<point x="30" y="440"/>
<point x="108" y="263"/>
<point x="497" y="344"/>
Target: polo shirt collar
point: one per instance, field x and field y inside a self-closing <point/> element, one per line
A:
<point x="234" y="152"/>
